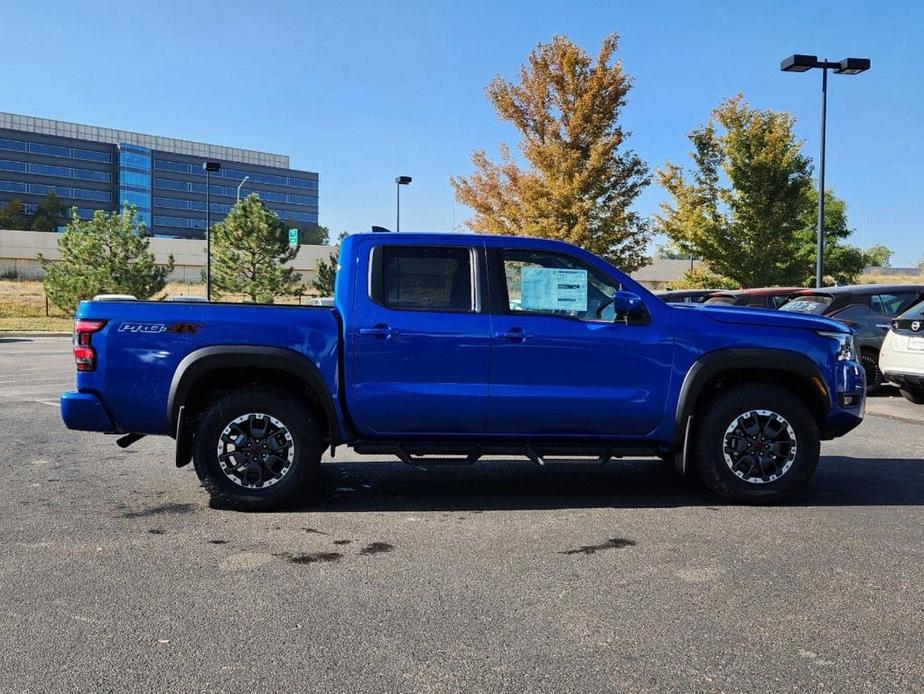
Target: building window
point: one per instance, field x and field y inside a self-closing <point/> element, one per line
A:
<point x="135" y="180"/>
<point x="12" y="145"/>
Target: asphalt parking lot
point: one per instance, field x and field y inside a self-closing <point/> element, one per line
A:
<point x="117" y="576"/>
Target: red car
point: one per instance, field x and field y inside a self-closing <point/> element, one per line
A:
<point x="765" y="297"/>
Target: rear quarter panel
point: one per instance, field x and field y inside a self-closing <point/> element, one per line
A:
<point x="142" y="344"/>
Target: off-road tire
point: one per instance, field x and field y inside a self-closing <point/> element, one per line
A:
<point x="709" y="442"/>
<point x="307" y="438"/>
<point x="874" y="378"/>
<point x="913" y="394"/>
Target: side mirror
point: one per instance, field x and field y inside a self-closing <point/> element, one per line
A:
<point x="628" y="306"/>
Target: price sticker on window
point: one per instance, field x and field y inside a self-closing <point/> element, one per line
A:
<point x="553" y="289"/>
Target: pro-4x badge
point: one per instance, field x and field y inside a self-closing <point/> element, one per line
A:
<point x="144" y="328"/>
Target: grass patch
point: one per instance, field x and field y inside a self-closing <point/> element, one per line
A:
<point x="22" y="307"/>
<point x="891" y="279"/>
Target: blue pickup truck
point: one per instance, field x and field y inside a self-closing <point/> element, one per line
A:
<point x="442" y="348"/>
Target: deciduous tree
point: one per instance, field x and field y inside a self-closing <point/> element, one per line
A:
<point x="250" y="250"/>
<point x="107" y="254"/>
<point x="878" y="255"/>
<point x="12" y="215"/>
<point x="843" y="261"/>
<point x="580" y="179"/>
<point x="745" y="201"/>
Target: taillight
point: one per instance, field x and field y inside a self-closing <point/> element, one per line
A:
<point x="84" y="354"/>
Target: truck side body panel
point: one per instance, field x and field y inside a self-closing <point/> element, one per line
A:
<point x="143" y="344"/>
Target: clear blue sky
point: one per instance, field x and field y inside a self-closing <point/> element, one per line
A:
<point x="385" y="88"/>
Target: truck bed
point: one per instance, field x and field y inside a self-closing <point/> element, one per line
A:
<point x="141" y="347"/>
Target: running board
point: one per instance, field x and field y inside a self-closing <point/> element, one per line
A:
<point x="423" y="454"/>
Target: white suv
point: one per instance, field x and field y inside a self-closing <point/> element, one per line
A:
<point x="901" y="358"/>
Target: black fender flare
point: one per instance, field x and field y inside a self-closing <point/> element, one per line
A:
<point x="202" y="361"/>
<point x="735" y="358"/>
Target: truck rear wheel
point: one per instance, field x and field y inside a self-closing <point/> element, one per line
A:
<point x="755" y="443"/>
<point x="258" y="449"/>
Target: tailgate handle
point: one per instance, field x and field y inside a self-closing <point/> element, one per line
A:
<point x="380" y="330"/>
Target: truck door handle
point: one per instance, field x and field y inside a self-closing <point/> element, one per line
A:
<point x="379" y="331"/>
<point x="514" y="335"/>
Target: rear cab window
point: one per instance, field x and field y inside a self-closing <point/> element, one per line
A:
<point x="720" y="300"/>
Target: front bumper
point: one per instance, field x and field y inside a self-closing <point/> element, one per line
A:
<point x="85" y="411"/>
<point x="849" y="404"/>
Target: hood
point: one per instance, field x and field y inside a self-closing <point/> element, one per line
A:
<point x="743" y="315"/>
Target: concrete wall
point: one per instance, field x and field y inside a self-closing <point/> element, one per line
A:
<point x="19" y="250"/>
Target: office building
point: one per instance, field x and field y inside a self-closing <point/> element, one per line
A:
<point x="93" y="168"/>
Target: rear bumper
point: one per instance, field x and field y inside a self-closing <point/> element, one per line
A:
<point x="903" y="380"/>
<point x="86" y="412"/>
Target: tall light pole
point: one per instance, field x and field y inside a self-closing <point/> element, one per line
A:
<point x="209" y="167"/>
<point x="400" y="181"/>
<point x="847" y="66"/>
<point x="246" y="178"/>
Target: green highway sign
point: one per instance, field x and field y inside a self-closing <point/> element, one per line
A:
<point x="293" y="237"/>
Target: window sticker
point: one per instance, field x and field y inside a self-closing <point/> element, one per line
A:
<point x="553" y="289"/>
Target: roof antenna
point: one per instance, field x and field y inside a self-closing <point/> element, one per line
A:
<point x="377" y="230"/>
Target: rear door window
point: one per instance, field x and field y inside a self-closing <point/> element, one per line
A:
<point x="426" y="279"/>
<point x="893" y="303"/>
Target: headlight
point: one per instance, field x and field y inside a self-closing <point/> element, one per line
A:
<point x="846" y="350"/>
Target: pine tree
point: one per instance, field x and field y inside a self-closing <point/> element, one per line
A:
<point x="581" y="180"/>
<point x="49" y="214"/>
<point x="250" y="250"/>
<point x="326" y="270"/>
<point x="107" y="254"/>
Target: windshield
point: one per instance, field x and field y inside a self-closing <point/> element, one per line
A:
<point x="809" y="303"/>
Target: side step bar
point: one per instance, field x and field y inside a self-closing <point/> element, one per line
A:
<point x="423" y="454"/>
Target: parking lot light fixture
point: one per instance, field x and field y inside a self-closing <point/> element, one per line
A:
<point x="848" y="66"/>
<point x="400" y="181"/>
<point x="209" y="167"/>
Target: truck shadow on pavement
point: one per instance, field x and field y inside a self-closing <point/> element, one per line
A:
<point x="493" y="485"/>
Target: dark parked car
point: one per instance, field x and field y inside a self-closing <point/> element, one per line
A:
<point x="867" y="308"/>
<point x="685" y="296"/>
<point x="765" y="297"/>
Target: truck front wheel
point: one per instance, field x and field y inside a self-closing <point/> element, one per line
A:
<point x="258" y="449"/>
<point x="755" y="443"/>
